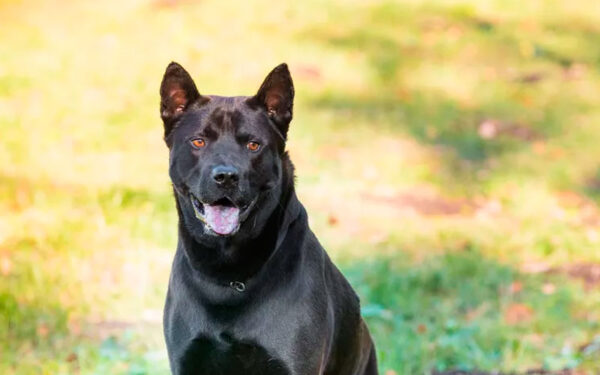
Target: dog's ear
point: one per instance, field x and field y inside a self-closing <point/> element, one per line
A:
<point x="276" y="97"/>
<point x="177" y="93"/>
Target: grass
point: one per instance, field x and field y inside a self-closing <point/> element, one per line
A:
<point x="446" y="152"/>
<point x="468" y="312"/>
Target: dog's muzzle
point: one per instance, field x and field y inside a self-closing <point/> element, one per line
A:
<point x="222" y="217"/>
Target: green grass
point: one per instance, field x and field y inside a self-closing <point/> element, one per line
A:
<point x="451" y="311"/>
<point x="447" y="153"/>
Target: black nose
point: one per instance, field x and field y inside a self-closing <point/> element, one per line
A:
<point x="225" y="175"/>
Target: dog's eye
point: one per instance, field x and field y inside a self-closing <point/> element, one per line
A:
<point x="198" y="143"/>
<point x="253" y="146"/>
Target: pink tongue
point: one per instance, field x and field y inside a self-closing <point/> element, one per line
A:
<point x="222" y="219"/>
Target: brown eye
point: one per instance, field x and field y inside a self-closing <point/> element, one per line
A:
<point x="253" y="146"/>
<point x="198" y="142"/>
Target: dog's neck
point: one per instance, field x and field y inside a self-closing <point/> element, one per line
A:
<point x="233" y="259"/>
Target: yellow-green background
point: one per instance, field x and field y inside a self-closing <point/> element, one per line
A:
<point x="448" y="153"/>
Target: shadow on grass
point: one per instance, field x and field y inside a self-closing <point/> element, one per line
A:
<point x="456" y="133"/>
<point x="524" y="100"/>
<point x="463" y="311"/>
<point x="396" y="37"/>
<point x="592" y="186"/>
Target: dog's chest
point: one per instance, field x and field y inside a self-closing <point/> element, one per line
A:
<point x="226" y="355"/>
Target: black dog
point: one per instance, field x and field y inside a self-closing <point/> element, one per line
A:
<point x="251" y="290"/>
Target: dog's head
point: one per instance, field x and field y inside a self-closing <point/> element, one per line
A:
<point x="226" y="153"/>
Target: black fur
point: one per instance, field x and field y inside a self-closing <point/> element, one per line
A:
<point x="297" y="313"/>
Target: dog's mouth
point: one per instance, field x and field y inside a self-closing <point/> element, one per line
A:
<point x="223" y="216"/>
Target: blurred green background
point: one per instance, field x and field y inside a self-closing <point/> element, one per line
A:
<point x="448" y="153"/>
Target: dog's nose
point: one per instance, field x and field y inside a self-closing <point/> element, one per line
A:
<point x="225" y="175"/>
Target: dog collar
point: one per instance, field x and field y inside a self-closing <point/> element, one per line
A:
<point x="238" y="286"/>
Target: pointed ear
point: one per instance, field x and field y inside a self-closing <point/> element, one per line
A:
<point x="276" y="97"/>
<point x="177" y="93"/>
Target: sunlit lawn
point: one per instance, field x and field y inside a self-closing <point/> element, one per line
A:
<point x="447" y="152"/>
